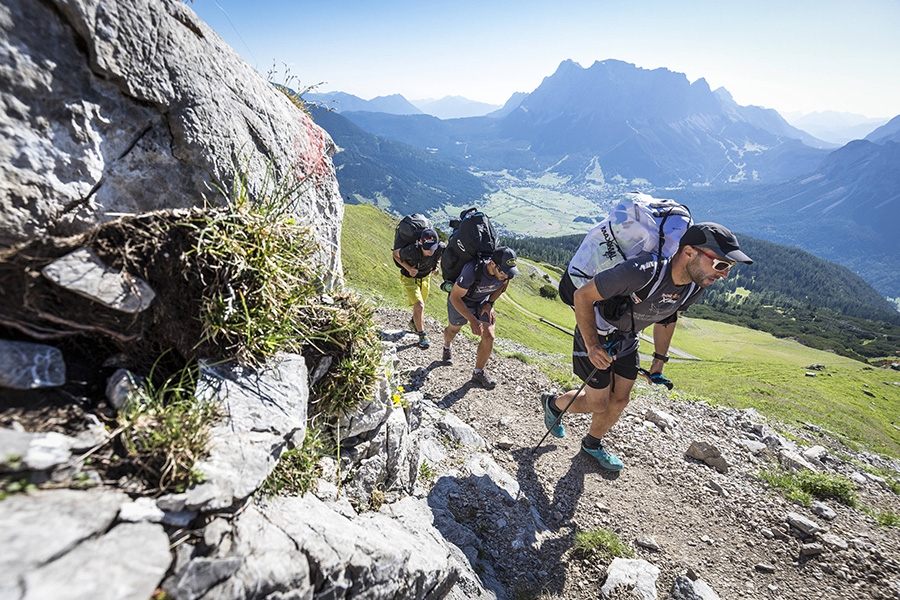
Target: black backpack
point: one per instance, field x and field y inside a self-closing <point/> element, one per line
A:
<point x="473" y="237"/>
<point x="409" y="230"/>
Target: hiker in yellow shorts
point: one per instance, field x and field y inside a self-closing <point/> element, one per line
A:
<point x="417" y="261"/>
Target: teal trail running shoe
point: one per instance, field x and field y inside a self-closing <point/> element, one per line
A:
<point x="607" y="460"/>
<point x="549" y="418"/>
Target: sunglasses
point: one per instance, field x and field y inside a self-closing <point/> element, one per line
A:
<point x="717" y="263"/>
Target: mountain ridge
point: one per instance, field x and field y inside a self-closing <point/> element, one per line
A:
<point x="836" y="127"/>
<point x="448" y="107"/>
<point x="376" y="168"/>
<point x="889" y="132"/>
<point x="650" y="124"/>
<point x="613" y="127"/>
<point x="343" y="102"/>
<point x="455" y="107"/>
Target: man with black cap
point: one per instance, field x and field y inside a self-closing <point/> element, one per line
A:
<point x="611" y="312"/>
<point x="472" y="299"/>
<point x="417" y="261"/>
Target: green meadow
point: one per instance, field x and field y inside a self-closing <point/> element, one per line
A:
<point x="539" y="207"/>
<point x="743" y="368"/>
<point x="734" y="366"/>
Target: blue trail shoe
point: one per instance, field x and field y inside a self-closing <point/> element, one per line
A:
<point x="607" y="460"/>
<point x="423" y="341"/>
<point x="549" y="418"/>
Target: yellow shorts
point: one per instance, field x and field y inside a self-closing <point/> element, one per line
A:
<point x="416" y="289"/>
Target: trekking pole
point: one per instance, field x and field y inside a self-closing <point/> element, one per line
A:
<point x="589" y="377"/>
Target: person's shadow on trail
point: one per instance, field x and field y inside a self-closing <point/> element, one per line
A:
<point x="403" y="340"/>
<point x="417" y="377"/>
<point x="451" y="398"/>
<point x="553" y="512"/>
<point x="406" y="346"/>
<point x="558" y="511"/>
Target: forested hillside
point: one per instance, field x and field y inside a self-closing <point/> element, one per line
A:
<point x="787" y="292"/>
<point x="400" y="178"/>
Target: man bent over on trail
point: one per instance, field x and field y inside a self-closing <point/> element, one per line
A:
<point x="614" y="308"/>
<point x="479" y="285"/>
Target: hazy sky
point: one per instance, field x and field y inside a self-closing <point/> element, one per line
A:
<point x="790" y="55"/>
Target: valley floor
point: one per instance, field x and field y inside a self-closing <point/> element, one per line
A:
<point x="730" y="530"/>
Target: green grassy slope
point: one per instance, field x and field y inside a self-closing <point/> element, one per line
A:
<point x="738" y="367"/>
<point x="366" y="240"/>
<point x="743" y="368"/>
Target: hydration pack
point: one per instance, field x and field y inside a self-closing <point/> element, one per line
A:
<point x="473" y="237"/>
<point x="639" y="224"/>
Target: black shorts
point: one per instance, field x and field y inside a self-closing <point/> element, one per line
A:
<point x="624" y="365"/>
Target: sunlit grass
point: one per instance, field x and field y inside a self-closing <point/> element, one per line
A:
<point x="805" y="485"/>
<point x="744" y="368"/>
<point x="887" y="519"/>
<point x="367" y="236"/>
<point x="603" y="542"/>
<point x="297" y="470"/>
<point x="165" y="429"/>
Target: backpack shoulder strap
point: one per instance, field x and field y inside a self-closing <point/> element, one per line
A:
<point x="479" y="273"/>
<point x="646" y="291"/>
<point x="651" y="286"/>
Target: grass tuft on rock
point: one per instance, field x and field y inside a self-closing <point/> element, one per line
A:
<point x="241" y="280"/>
<point x="165" y="431"/>
<point x="600" y="541"/>
<point x="297" y="470"/>
<point x="262" y="289"/>
<point x="267" y="295"/>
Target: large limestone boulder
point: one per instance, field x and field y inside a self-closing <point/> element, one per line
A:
<point x="124" y="107"/>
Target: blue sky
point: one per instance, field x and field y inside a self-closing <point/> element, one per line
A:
<point x="790" y="55"/>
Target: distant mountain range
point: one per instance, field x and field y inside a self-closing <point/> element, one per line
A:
<point x="455" y="107"/>
<point x="636" y="124"/>
<point x="448" y="107"/>
<point x="835" y="127"/>
<point x="889" y="132"/>
<point x="394" y="104"/>
<point x="613" y="126"/>
<point x="394" y="176"/>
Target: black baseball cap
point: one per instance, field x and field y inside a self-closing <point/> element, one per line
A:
<point x="715" y="237"/>
<point x="505" y="259"/>
<point x="429" y="239"/>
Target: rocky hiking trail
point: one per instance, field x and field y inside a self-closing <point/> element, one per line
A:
<point x="685" y="517"/>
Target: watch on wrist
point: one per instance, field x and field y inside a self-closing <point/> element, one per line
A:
<point x="662" y="357"/>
